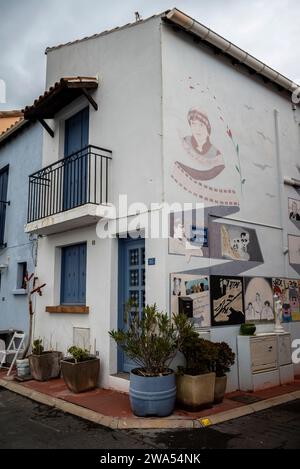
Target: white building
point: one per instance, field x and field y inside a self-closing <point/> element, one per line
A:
<point x="186" y="117"/>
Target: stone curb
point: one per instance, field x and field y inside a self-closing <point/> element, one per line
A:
<point x="146" y="423"/>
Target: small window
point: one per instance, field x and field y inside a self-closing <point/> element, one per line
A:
<point x="21" y="274"/>
<point x="73" y="274"/>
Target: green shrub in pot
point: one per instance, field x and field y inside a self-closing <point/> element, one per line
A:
<point x="81" y="370"/>
<point x="224" y="359"/>
<point x="44" y="365"/>
<point x="152" y="340"/>
<point x="196" y="381"/>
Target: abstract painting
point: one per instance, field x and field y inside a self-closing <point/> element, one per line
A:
<point x="258" y="299"/>
<point x="195" y="288"/>
<point x="227" y="303"/>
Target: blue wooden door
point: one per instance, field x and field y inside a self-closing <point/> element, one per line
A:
<point x="131" y="287"/>
<point x="3" y="195"/>
<point x="75" y="172"/>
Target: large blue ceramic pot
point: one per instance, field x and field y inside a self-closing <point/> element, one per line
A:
<point x="152" y="395"/>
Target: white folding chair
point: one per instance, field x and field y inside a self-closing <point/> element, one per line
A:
<point x="15" y="347"/>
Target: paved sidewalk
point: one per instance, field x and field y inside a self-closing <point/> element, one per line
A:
<point x="112" y="408"/>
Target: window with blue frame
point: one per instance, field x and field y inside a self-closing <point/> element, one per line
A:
<point x="73" y="275"/>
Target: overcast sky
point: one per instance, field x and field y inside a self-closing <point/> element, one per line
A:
<point x="267" y="29"/>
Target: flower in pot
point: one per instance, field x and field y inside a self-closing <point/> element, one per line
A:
<point x="223" y="361"/>
<point x="80" y="370"/>
<point x="44" y="365"/>
<point x="196" y="381"/>
<point x="152" y="342"/>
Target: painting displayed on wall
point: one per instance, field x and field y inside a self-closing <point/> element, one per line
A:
<point x="206" y="163"/>
<point x="294" y="249"/>
<point x="281" y="289"/>
<point x="187" y="234"/>
<point x="294" y="299"/>
<point x="258" y="298"/>
<point x="190" y="294"/>
<point x="227" y="305"/>
<point x="294" y="211"/>
<point x="234" y="242"/>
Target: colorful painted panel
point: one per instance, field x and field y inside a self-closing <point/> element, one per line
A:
<point x="195" y="289"/>
<point x="258" y="299"/>
<point x="227" y="305"/>
<point x="294" y="299"/>
<point x="281" y="289"/>
<point x="294" y="249"/>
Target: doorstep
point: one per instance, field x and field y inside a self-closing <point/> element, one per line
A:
<point x="112" y="408"/>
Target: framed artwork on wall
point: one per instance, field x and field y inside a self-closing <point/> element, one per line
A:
<point x="227" y="302"/>
<point x="190" y="294"/>
<point x="258" y="296"/>
<point x="294" y="249"/>
<point x="294" y="211"/>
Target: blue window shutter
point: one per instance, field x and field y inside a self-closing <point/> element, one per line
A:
<point x="73" y="274"/>
<point x="3" y="196"/>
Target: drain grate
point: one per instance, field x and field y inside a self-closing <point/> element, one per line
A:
<point x="246" y="399"/>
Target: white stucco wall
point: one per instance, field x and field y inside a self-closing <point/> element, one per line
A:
<point x="142" y="118"/>
<point x="194" y="77"/>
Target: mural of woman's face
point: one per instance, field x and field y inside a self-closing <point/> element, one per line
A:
<point x="199" y="131"/>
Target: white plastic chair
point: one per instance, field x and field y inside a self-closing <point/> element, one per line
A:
<point x="15" y="347"/>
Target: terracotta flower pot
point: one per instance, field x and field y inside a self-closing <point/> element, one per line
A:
<point x="195" y="392"/>
<point x="81" y="376"/>
<point x="220" y="388"/>
<point x="45" y="366"/>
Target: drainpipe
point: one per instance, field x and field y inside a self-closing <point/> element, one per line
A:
<point x="189" y="24"/>
<point x="281" y="192"/>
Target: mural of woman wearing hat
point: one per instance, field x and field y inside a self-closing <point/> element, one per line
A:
<point x="200" y="148"/>
<point x="208" y="163"/>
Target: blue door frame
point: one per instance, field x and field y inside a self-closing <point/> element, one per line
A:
<point x="131" y="286"/>
<point x="75" y="171"/>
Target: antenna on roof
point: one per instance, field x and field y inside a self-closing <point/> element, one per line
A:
<point x="137" y="16"/>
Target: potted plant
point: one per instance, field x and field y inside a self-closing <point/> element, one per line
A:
<point x="152" y="341"/>
<point x="81" y="370"/>
<point x="196" y="381"/>
<point x="44" y="365"/>
<point x="223" y="361"/>
<point x="248" y="328"/>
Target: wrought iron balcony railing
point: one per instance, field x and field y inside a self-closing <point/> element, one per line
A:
<point x="79" y="179"/>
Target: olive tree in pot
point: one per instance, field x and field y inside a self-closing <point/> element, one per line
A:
<point x="81" y="370"/>
<point x="152" y="341"/>
<point x="223" y="361"/>
<point x="196" y="381"/>
<point x="44" y="365"/>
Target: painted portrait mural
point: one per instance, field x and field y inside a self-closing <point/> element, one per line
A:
<point x="258" y="299"/>
<point x="204" y="164"/>
<point x="227" y="303"/>
<point x="288" y="291"/>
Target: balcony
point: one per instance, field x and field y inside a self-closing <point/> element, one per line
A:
<point x="69" y="193"/>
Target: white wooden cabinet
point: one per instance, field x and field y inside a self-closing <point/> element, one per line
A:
<point x="257" y="362"/>
<point x="264" y="361"/>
